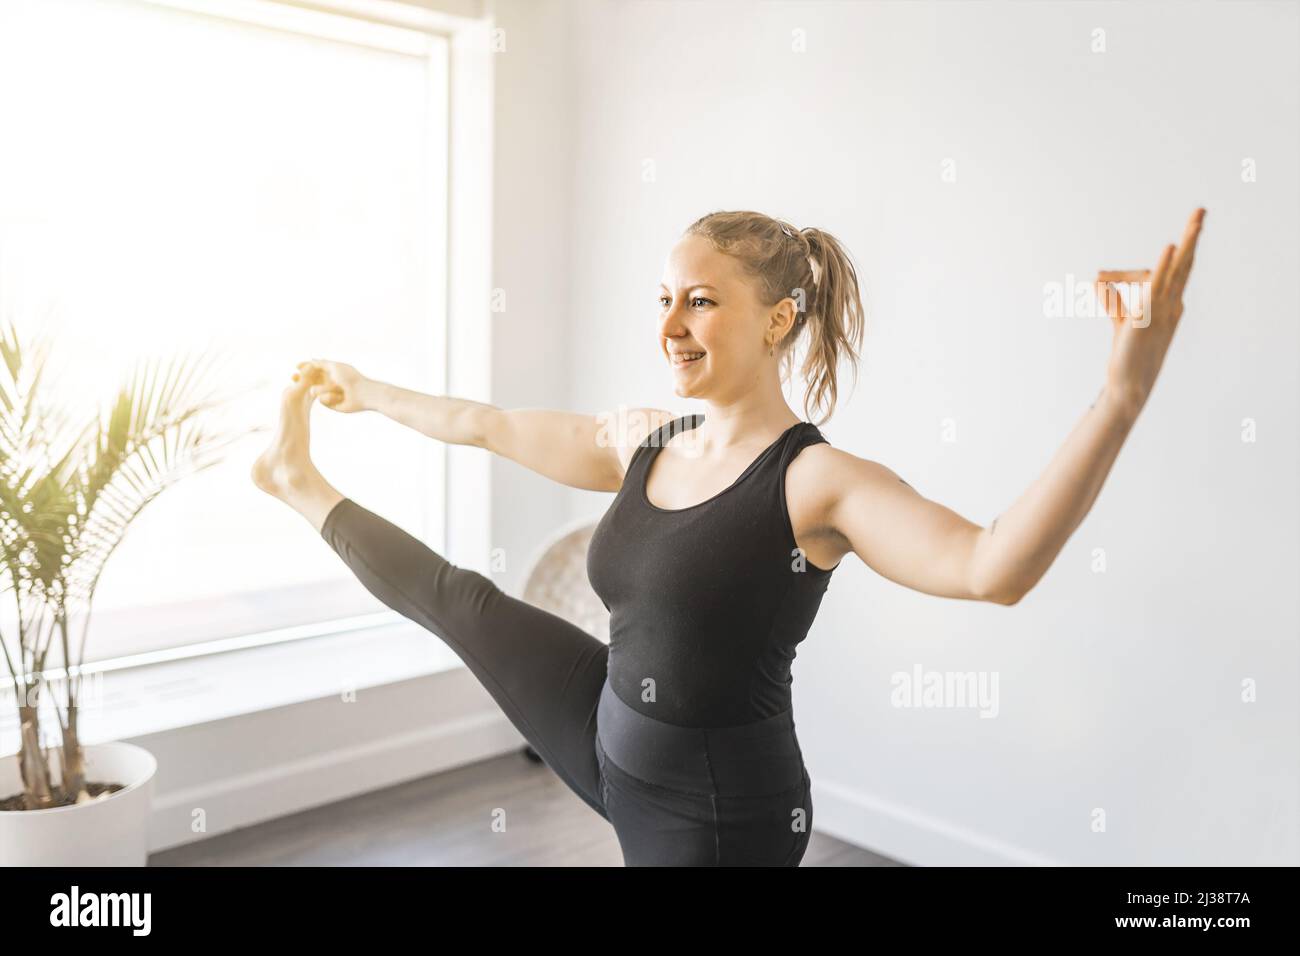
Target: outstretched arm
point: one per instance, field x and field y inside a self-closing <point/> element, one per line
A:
<point x="1015" y="551"/>
<point x="925" y="546"/>
<point x="575" y="449"/>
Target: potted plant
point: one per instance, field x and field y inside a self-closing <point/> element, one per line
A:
<point x="67" y="498"/>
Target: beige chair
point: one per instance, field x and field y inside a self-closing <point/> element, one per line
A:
<point x="556" y="579"/>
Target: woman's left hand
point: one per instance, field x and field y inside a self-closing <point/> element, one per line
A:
<point x="1142" y="338"/>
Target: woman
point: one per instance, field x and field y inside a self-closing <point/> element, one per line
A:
<point x="722" y="537"/>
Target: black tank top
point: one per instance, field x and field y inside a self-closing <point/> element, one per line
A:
<point x="708" y="602"/>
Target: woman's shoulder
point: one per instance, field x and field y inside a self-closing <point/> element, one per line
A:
<point x="821" y="475"/>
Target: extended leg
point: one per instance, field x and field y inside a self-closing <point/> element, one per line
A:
<point x="544" y="672"/>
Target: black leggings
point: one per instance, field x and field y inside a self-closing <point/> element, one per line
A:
<point x="676" y="796"/>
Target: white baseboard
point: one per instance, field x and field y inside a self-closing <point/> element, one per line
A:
<point x="238" y="772"/>
<point x="903" y="834"/>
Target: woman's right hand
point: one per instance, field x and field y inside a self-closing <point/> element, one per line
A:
<point x="339" y="387"/>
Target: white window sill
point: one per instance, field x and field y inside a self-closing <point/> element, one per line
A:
<point x="134" y="701"/>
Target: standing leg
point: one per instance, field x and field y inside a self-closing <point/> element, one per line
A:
<point x="544" y="672"/>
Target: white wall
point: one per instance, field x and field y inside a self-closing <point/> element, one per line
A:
<point x="1118" y="690"/>
<point x="531" y="259"/>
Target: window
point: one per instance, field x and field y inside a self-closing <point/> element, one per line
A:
<point x="269" y="182"/>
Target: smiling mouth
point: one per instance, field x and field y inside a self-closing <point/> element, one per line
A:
<point x="682" y="359"/>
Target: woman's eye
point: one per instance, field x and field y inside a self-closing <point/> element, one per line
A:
<point x="665" y="301"/>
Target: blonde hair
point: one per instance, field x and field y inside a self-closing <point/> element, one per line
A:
<point x="811" y="267"/>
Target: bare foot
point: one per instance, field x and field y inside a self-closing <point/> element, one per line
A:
<point x="286" y="468"/>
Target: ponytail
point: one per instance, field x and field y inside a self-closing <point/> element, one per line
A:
<point x="812" y="267"/>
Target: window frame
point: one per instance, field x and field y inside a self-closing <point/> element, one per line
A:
<point x="459" y="52"/>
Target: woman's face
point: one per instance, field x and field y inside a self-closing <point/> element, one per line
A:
<point x="708" y="305"/>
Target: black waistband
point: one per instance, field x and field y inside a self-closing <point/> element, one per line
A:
<point x="747" y="760"/>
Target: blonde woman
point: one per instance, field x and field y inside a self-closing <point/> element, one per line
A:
<point x="722" y="537"/>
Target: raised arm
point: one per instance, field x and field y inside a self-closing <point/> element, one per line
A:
<point x="923" y="545"/>
<point x="926" y="546"/>
<point x="583" y="451"/>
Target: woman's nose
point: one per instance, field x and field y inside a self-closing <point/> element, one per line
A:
<point x="670" y="322"/>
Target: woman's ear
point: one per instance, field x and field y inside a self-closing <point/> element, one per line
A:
<point x="784" y="317"/>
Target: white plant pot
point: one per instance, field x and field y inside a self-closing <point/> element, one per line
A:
<point x="111" y="831"/>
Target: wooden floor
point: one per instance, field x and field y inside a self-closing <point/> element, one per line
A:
<point x="447" y="820"/>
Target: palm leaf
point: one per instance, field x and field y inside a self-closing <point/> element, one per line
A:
<point x="150" y="439"/>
